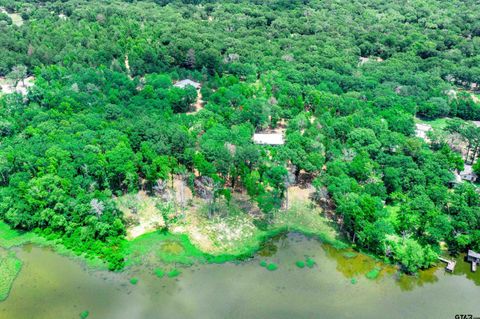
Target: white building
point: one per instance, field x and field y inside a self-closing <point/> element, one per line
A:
<point x="184" y="83"/>
<point x="268" y="139"/>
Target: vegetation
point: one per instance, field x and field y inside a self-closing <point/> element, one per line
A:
<point x="9" y="268"/>
<point x="344" y="79"/>
<point x="174" y="273"/>
<point x="374" y="273"/>
<point x="159" y="273"/>
<point x="133" y="281"/>
<point x="272" y="267"/>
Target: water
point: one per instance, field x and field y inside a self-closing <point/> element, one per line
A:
<point x="52" y="286"/>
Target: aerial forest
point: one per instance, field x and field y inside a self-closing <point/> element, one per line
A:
<point x="347" y="81"/>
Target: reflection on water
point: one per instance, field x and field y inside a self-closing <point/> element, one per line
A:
<point x="51" y="286"/>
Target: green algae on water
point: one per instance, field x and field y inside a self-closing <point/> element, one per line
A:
<point x="310" y="262"/>
<point x="134" y="281"/>
<point x="272" y="267"/>
<point x="300" y="264"/>
<point x="374" y="273"/>
<point x="159" y="273"/>
<point x="9" y="269"/>
<point x="174" y="273"/>
<point x="349" y="254"/>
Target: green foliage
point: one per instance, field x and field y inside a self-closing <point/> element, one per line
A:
<point x="310" y="262"/>
<point x="95" y="127"/>
<point x="84" y="314"/>
<point x="374" y="273"/>
<point x="159" y="272"/>
<point x="263" y="263"/>
<point x="9" y="269"/>
<point x="133" y="281"/>
<point x="300" y="264"/>
<point x="272" y="267"/>
<point x="174" y="273"/>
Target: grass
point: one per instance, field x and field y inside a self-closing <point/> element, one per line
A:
<point x="437" y="124"/>
<point x="9" y="269"/>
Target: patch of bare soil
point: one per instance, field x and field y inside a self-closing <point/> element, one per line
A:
<point x="141" y="213"/>
<point x="198" y="103"/>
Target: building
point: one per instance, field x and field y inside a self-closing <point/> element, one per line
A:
<point x="474" y="258"/>
<point x="268" y="139"/>
<point x="184" y="83"/>
<point x="468" y="174"/>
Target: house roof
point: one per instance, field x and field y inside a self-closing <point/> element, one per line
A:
<point x="268" y="138"/>
<point x="473" y="254"/>
<point x="184" y="83"/>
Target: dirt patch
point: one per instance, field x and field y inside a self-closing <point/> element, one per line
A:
<point x="421" y="131"/>
<point x="300" y="194"/>
<point x="16" y="18"/>
<point x="199" y="103"/>
<point x="141" y="212"/>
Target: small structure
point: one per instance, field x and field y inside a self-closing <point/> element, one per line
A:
<point x="450" y="264"/>
<point x="268" y="139"/>
<point x="184" y="83"/>
<point x="474" y="258"/>
<point x="421" y="131"/>
<point x="468" y="174"/>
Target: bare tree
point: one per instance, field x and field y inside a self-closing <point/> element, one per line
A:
<point x="97" y="207"/>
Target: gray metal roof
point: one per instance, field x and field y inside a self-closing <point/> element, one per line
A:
<point x="184" y="83"/>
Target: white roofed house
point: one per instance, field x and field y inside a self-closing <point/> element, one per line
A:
<point x="468" y="174"/>
<point x="268" y="138"/>
<point x="184" y="83"/>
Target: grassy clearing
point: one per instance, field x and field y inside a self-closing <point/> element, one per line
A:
<point x="9" y="269"/>
<point x="308" y="220"/>
<point x="142" y="213"/>
<point x="437" y="124"/>
<point x="232" y="237"/>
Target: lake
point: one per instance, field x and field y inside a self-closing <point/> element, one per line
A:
<point x="53" y="286"/>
